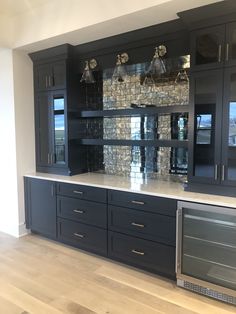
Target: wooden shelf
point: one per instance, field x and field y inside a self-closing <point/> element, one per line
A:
<point x="133" y="111"/>
<point x="154" y="143"/>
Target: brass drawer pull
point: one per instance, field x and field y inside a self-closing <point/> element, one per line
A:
<point x="138" y="252"/>
<point x="137" y="225"/>
<point x="78" y="235"/>
<point x="138" y="202"/>
<point x="78" y="211"/>
<point x="78" y="192"/>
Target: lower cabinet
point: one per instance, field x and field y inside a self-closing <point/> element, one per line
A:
<point x="142" y="253"/>
<point x="40" y="205"/>
<point x="138" y="230"/>
<point x="83" y="236"/>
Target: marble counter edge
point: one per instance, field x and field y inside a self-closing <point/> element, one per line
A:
<point x="178" y="195"/>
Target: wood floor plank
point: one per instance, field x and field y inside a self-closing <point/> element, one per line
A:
<point x="40" y="276"/>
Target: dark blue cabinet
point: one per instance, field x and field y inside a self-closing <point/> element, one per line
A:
<point x="40" y="199"/>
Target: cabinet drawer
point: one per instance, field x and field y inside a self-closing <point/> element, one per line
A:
<point x="82" y="211"/>
<point x="153" y="204"/>
<point x="82" y="236"/>
<point x="154" y="227"/>
<point x="152" y="256"/>
<point x="82" y="192"/>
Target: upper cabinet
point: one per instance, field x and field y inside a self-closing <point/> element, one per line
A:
<point x="49" y="76"/>
<point x="56" y="107"/>
<point x="213" y="47"/>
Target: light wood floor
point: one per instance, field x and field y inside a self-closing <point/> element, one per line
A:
<point x="39" y="276"/>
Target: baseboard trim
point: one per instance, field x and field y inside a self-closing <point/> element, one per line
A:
<point x="22" y="230"/>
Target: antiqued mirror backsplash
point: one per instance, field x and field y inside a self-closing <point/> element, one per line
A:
<point x="137" y="90"/>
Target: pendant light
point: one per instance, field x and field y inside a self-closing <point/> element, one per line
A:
<point x="120" y="69"/>
<point x="87" y="75"/>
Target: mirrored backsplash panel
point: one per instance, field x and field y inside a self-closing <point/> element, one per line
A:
<point x="139" y="91"/>
<point x="147" y="162"/>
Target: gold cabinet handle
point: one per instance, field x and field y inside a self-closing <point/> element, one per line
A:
<point x="223" y="173"/>
<point x="138" y="202"/>
<point x="78" y="235"/>
<point x="227" y="52"/>
<point x="78" y="211"/>
<point x="78" y="192"/>
<point x="137" y="225"/>
<point x="219" y="53"/>
<point x="216" y="172"/>
<point x="137" y="252"/>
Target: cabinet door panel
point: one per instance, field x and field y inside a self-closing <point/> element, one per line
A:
<point x="150" y="255"/>
<point x="43" y="129"/>
<point x="42" y="206"/>
<point x="59" y="75"/>
<point x="207" y="47"/>
<point x="205" y="126"/>
<point x="228" y="174"/>
<point x="43" y="73"/>
<point x="230" y="45"/>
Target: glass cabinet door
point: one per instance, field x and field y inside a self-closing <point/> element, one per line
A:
<point x="59" y="129"/>
<point x="207" y="47"/>
<point x="206" y="131"/>
<point x="228" y="174"/>
<point x="230" y="45"/>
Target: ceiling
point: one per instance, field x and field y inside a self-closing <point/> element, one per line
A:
<point x="13" y="7"/>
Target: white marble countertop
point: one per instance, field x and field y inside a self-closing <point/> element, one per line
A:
<point x="149" y="187"/>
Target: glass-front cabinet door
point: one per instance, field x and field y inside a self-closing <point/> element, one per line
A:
<point x="228" y="172"/>
<point x="59" y="128"/>
<point x="207" y="47"/>
<point x="205" y="126"/>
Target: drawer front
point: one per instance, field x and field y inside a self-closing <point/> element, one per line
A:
<point x="152" y="256"/>
<point x="82" y="236"/>
<point x="82" y="192"/>
<point x="153" y="204"/>
<point x="150" y="226"/>
<point x="82" y="211"/>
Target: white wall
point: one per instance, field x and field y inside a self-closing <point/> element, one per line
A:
<point x="9" y="216"/>
<point x="24" y="124"/>
<point x="78" y="21"/>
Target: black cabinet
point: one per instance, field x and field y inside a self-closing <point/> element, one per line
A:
<point x="149" y="255"/>
<point x="141" y="231"/>
<point x="207" y="47"/>
<point x="213" y="47"/>
<point x="212" y="151"/>
<point x="51" y="130"/>
<point x="40" y="200"/>
<point x="79" y="215"/>
<point x="50" y="75"/>
<point x="56" y="94"/>
<point x="83" y="236"/>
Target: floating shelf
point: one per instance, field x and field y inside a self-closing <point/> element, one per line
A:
<point x="147" y="111"/>
<point x="154" y="143"/>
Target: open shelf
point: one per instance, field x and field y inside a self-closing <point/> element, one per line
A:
<point x="154" y="143"/>
<point x="133" y="111"/>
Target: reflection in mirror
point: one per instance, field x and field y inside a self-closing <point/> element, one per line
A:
<point x="59" y="130"/>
